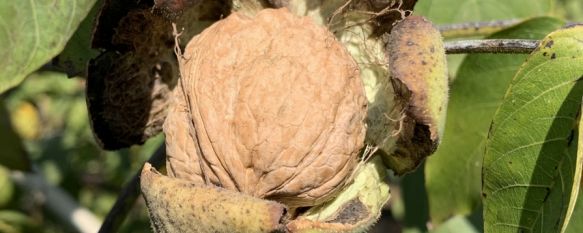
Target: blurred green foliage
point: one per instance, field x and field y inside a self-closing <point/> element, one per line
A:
<point x="49" y="112"/>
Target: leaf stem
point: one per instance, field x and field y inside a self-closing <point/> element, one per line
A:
<point x="129" y="194"/>
<point x="491" y="46"/>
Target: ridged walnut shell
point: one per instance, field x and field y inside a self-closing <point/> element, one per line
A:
<point x="272" y="106"/>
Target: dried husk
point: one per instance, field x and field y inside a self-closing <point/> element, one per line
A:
<point x="249" y="7"/>
<point x="123" y="118"/>
<point x="129" y="84"/>
<point x="271" y="106"/>
<point x="179" y="206"/>
<point x="419" y="71"/>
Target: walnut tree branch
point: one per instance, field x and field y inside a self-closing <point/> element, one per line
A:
<point x="129" y="194"/>
<point x="491" y="46"/>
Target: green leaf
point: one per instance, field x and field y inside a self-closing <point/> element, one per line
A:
<point x="575" y="209"/>
<point x="453" y="173"/>
<point x="33" y="32"/>
<point x="13" y="154"/>
<point x="577" y="226"/>
<point x="530" y="163"/>
<point x="456" y="11"/>
<point x="76" y="55"/>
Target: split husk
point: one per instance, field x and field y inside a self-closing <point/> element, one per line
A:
<point x="419" y="74"/>
<point x="215" y="141"/>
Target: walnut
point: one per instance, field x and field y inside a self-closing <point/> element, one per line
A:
<point x="272" y="106"/>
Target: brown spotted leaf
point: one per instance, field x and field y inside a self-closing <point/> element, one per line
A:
<point x="531" y="169"/>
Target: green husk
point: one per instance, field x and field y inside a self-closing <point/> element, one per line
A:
<point x="355" y="209"/>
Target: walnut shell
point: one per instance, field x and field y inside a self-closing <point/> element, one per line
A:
<point x="272" y="106"/>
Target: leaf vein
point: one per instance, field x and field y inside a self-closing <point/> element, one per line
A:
<point x="527" y="146"/>
<point x="534" y="99"/>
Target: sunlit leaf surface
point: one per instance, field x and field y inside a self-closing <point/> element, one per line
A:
<point x="531" y="163"/>
<point x="34" y="31"/>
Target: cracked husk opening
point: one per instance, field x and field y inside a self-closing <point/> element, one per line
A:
<point x="272" y="106"/>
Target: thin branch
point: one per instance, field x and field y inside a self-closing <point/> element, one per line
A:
<point x="491" y="46"/>
<point x="473" y="29"/>
<point x="58" y="202"/>
<point x="129" y="195"/>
